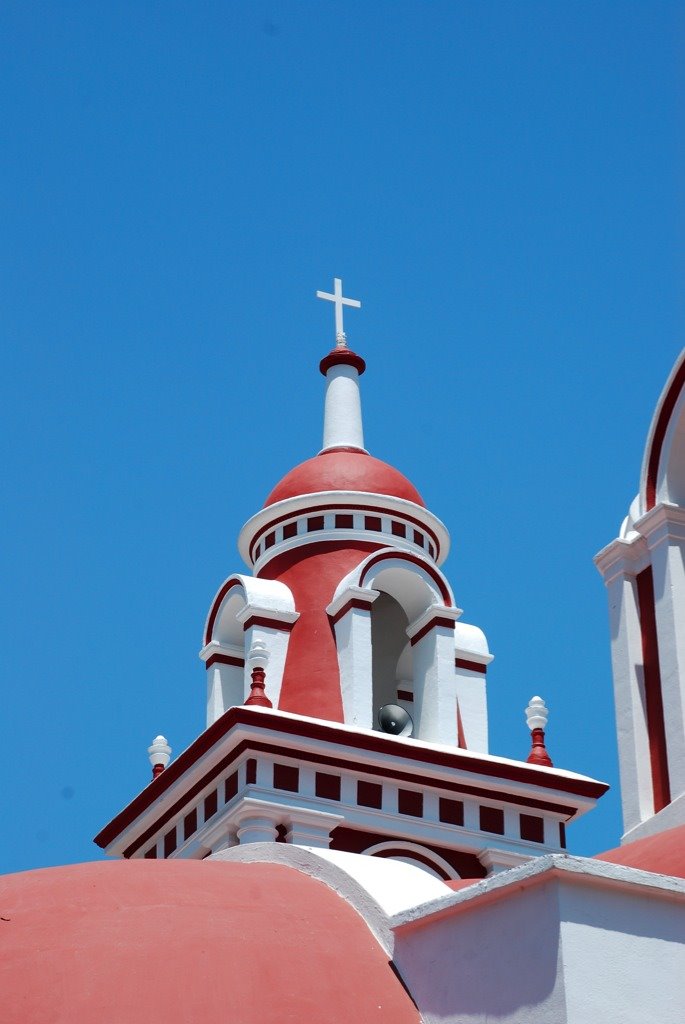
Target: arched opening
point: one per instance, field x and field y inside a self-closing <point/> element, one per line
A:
<point x="388" y="640"/>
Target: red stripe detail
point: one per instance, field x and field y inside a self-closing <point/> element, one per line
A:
<point x="472" y="666"/>
<point x="342" y="505"/>
<point x="405" y="695"/>
<point x="663" y="420"/>
<point x="327" y="733"/>
<point x="225" y="659"/>
<point x="354" y="602"/>
<point x="262" y="620"/>
<point x="461" y="739"/>
<point x="228" y="585"/>
<point x="406" y="556"/>
<point x="345" y="356"/>
<point x="653" y="699"/>
<point x="439" y="620"/>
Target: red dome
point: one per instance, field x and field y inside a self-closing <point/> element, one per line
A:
<point x="342" y="470"/>
<point x="663" y="853"/>
<point x="175" y="941"/>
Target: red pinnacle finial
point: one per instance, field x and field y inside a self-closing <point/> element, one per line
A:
<point x="258" y="658"/>
<point x="536" y="717"/>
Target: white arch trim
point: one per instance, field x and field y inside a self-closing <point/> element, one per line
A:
<point x="662" y="478"/>
<point x="415" y="582"/>
<point x="410" y="853"/>
<point x="245" y="609"/>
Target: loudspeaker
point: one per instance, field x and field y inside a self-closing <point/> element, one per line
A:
<point x="395" y="720"/>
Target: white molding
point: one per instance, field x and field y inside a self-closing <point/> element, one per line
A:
<point x="214" y="647"/>
<point x="435" y="611"/>
<point x="494" y="860"/>
<point x="343" y="502"/>
<point x="276" y="617"/>
<point x="351" y="593"/>
<point x="404" y="847"/>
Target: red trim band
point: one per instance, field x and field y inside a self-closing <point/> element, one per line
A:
<point x="438" y="620"/>
<point x="654" y="707"/>
<point x="262" y="620"/>
<point x="354" y="602"/>
<point x="224" y="659"/>
<point x="472" y="666"/>
<point x="662" y="423"/>
<point x="342" y="357"/>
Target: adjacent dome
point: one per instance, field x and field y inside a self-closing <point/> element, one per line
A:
<point x="184" y="940"/>
<point x="339" y="470"/>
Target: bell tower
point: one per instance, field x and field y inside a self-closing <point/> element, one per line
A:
<point x="345" y="610"/>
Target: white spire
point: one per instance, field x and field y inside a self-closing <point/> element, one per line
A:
<point x="342" y="425"/>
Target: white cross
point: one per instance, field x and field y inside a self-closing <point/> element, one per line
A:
<point x="337" y="298"/>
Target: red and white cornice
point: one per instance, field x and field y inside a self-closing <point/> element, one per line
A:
<point x="325" y="516"/>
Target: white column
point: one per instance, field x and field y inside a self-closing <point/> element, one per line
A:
<point x="255" y="822"/>
<point x="471" y="659"/>
<point x="273" y="629"/>
<point x="224" y="678"/>
<point x="351" y="616"/>
<point x="311" y="828"/>
<point x="619" y="564"/>
<point x="435" y="681"/>
<point x="342" y="425"/>
<point x="664" y="529"/>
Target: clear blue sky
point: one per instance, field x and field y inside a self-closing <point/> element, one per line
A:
<point x="498" y="182"/>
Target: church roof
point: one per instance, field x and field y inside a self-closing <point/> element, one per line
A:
<point x="340" y="470"/>
<point x="181" y="940"/>
<point x="663" y="853"/>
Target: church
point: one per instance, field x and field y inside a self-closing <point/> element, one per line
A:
<point x="340" y="844"/>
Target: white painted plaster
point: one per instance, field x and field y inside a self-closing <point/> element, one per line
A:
<point x="342" y="426"/>
<point x="664" y="529"/>
<point x="619" y="564"/>
<point x="550" y="942"/>
<point x="435" y="686"/>
<point x="375" y="887"/>
<point x="353" y="646"/>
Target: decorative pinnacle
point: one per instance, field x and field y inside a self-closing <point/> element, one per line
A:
<point x="159" y="753"/>
<point x="339" y="301"/>
<point x="258" y="658"/>
<point x="537" y="714"/>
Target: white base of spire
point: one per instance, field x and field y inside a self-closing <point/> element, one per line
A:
<point x="342" y="427"/>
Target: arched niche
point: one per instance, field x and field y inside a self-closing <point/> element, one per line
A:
<point x="244" y="610"/>
<point x="392" y="599"/>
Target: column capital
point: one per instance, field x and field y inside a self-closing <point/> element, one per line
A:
<point x="432" y="618"/>
<point x="623" y="557"/>
<point x="494" y="860"/>
<point x="271" y="618"/>
<point x="352" y="597"/>
<point x="662" y="523"/>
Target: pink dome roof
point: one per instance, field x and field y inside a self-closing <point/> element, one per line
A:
<point x="174" y="941"/>
<point x="663" y="853"/>
<point x="344" y="470"/>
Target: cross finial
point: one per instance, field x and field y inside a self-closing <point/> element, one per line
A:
<point x="337" y="298"/>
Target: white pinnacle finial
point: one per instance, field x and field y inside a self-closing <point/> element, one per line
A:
<point x="339" y="301"/>
<point x="537" y="713"/>
<point x="159" y="753"/>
